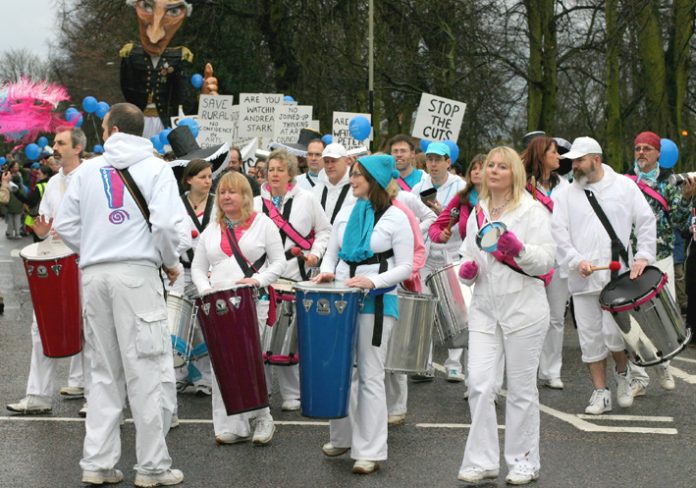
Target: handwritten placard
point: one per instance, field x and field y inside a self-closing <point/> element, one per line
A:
<point x="217" y="120"/>
<point x="257" y="114"/>
<point x="289" y="120"/>
<point x="341" y="132"/>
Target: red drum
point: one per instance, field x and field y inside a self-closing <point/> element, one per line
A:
<point x="228" y="320"/>
<point x="54" y="283"/>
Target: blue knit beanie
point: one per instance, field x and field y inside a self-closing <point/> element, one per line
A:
<point x="382" y="167"/>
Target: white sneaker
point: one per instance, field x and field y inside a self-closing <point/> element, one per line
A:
<point x="454" y="376"/>
<point x="231" y="439"/>
<point x="553" y="383"/>
<point x="290" y="405"/>
<point x="203" y="390"/>
<point x="522" y="474"/>
<point x="394" y="420"/>
<point x="332" y="451"/>
<point x="72" y="392"/>
<point x="363" y="466"/>
<point x="666" y="378"/>
<point x="31" y="404"/>
<point x="637" y="387"/>
<point x="624" y="394"/>
<point x="174" y="423"/>
<point x="600" y="402"/>
<point x="167" y="478"/>
<point x="103" y="476"/>
<point x="264" y="430"/>
<point x="474" y="474"/>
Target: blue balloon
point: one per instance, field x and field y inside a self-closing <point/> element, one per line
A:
<point x="102" y="110"/>
<point x="192" y="124"/>
<point x="359" y="127"/>
<point x="71" y="114"/>
<point x="89" y="104"/>
<point x="424" y="143"/>
<point x="32" y="152"/>
<point x="454" y="151"/>
<point x="2" y="161"/>
<point x="669" y="153"/>
<point x="42" y="142"/>
<point x="288" y="98"/>
<point x="197" y="81"/>
<point x="80" y="121"/>
<point x="327" y="139"/>
<point x="98" y="149"/>
<point x="164" y="137"/>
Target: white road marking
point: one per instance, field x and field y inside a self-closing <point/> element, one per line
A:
<point x="7" y="260"/>
<point x="585" y="426"/>
<point x="683" y="375"/>
<point x="14" y="253"/>
<point x="626" y="418"/>
<point x="686" y="360"/>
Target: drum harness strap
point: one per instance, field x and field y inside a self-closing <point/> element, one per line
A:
<point x="199" y="225"/>
<point x="287" y="230"/>
<point x="310" y="180"/>
<point x="381" y="259"/>
<point x="617" y="248"/>
<point x="339" y="202"/>
<point x="651" y="192"/>
<point x="402" y="184"/>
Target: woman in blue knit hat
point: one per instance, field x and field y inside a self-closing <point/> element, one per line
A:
<point x="369" y="249"/>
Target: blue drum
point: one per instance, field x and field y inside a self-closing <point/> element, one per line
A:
<point x="327" y="316"/>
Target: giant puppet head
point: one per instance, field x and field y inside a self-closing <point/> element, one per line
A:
<point x="158" y="21"/>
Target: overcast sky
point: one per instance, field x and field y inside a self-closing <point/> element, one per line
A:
<point x="29" y="24"/>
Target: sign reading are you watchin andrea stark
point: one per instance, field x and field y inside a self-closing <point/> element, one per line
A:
<point x="438" y="118"/>
<point x="257" y="114"/>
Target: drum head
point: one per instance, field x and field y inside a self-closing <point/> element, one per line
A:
<point x="218" y="290"/>
<point x="284" y="286"/>
<point x="45" y="250"/>
<point x="624" y="291"/>
<point x="487" y="237"/>
<point x="331" y="287"/>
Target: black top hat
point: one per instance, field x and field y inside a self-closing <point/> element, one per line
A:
<point x="299" y="148"/>
<point x="187" y="149"/>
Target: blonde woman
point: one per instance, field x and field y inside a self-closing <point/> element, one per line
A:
<point x="509" y="312"/>
<point x="259" y="241"/>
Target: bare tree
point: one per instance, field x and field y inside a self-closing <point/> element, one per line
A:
<point x="16" y="63"/>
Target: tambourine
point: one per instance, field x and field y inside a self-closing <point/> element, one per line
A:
<point x="487" y="237"/>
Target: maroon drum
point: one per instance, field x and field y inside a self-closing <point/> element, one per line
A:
<point x="54" y="283"/>
<point x="228" y="320"/>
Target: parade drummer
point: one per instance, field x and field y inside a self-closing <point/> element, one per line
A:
<point x="239" y="247"/>
<point x="370" y="249"/>
<point x="199" y="204"/>
<point x="333" y="188"/>
<point x="304" y="230"/>
<point x="541" y="160"/>
<point x="509" y="311"/>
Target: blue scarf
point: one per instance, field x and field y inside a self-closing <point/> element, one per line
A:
<point x="473" y="197"/>
<point x="650" y="177"/>
<point x="356" y="238"/>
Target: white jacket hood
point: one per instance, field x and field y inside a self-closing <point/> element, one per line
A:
<point x="124" y="150"/>
<point x="343" y="181"/>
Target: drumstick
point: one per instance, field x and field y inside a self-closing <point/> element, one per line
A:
<point x="613" y="266"/>
<point x="454" y="218"/>
<point x="297" y="252"/>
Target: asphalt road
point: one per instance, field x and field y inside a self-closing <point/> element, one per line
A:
<point x="651" y="444"/>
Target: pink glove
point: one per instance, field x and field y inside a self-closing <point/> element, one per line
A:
<point x="468" y="270"/>
<point x="509" y="244"/>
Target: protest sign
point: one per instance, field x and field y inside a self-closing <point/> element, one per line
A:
<point x="340" y="131"/>
<point x="216" y="118"/>
<point x="257" y="114"/>
<point x="289" y="120"/>
<point x="438" y="118"/>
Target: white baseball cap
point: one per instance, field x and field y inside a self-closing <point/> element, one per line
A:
<point x="334" y="150"/>
<point x="582" y="146"/>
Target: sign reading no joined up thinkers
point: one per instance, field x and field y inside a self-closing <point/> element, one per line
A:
<point x="438" y="118"/>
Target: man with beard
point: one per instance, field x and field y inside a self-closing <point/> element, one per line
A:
<point x="67" y="149"/>
<point x="155" y="77"/>
<point x="582" y="241"/>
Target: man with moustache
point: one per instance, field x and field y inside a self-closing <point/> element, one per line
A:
<point x="403" y="150"/>
<point x="68" y="146"/>
<point x="582" y="241"/>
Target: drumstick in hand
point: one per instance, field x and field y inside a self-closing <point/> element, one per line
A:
<point x="454" y="218"/>
<point x="297" y="252"/>
<point x="613" y="266"/>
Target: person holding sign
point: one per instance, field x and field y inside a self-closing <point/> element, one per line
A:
<point x="509" y="313"/>
<point x="370" y="248"/>
<point x="333" y="188"/>
<point x="437" y="189"/>
<point x="404" y="152"/>
<point x="302" y="224"/>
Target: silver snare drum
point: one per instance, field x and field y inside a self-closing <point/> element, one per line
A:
<point x="452" y="305"/>
<point x="180" y="314"/>
<point x="280" y="341"/>
<point x="412" y="336"/>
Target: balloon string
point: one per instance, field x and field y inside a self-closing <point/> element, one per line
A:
<point x="96" y="131"/>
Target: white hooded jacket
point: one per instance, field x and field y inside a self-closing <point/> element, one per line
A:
<point x="333" y="192"/>
<point x="100" y="219"/>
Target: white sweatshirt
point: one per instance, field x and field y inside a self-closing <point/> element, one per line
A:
<point x="503" y="295"/>
<point x="261" y="237"/>
<point x="580" y="235"/>
<point x="391" y="232"/>
<point x="303" y="181"/>
<point x="99" y="218"/>
<point x="333" y="192"/>
<point x="422" y="212"/>
<point x="306" y="215"/>
<point x="55" y="191"/>
<point x="440" y="254"/>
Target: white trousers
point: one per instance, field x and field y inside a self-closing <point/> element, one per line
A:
<point x="396" y="387"/>
<point x="239" y="424"/>
<point x="552" y="353"/>
<point x="365" y="428"/>
<point x="597" y="331"/>
<point x="42" y="369"/>
<point x="127" y="348"/>
<point x="522" y="349"/>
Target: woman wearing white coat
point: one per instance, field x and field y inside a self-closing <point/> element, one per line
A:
<point x="299" y="217"/>
<point x="257" y="236"/>
<point x="509" y="311"/>
<point x="371" y="231"/>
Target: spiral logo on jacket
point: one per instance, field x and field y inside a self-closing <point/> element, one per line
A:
<point x="113" y="188"/>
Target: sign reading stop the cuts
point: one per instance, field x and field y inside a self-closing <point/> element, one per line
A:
<point x="438" y="118"/>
